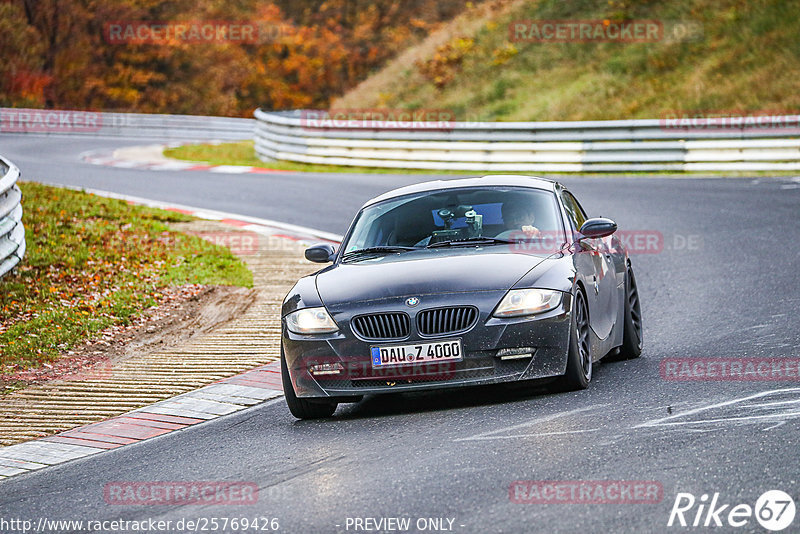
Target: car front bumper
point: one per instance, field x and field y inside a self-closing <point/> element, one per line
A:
<point x="547" y="333"/>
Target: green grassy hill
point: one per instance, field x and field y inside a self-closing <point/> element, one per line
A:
<point x="746" y="58"/>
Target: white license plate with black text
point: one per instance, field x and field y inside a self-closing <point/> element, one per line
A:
<point x="389" y="356"/>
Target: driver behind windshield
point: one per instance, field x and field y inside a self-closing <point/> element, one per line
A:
<point x="518" y="218"/>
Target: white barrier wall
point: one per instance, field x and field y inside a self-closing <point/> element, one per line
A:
<point x="181" y="127"/>
<point x="732" y="144"/>
<point x="12" y="232"/>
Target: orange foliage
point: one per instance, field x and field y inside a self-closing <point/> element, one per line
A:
<point x="58" y="53"/>
<point x="446" y="62"/>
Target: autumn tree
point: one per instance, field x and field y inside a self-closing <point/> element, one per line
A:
<point x="57" y="53"/>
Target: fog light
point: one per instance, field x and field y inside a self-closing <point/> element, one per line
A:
<point x="516" y="354"/>
<point x="326" y="369"/>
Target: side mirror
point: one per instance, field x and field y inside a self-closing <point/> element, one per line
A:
<point x="598" y="227"/>
<point x="322" y="253"/>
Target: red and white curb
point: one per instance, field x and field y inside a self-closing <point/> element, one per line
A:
<point x="109" y="158"/>
<point x="210" y="402"/>
<point x="267" y="227"/>
<point x="225" y="397"/>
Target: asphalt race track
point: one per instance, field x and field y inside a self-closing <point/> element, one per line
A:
<point x="722" y="284"/>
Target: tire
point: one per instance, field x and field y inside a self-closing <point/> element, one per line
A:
<point x="632" y="329"/>
<point x="579" y="358"/>
<point x="303" y="408"/>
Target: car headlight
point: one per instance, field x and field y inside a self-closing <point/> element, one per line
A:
<point x="519" y="302"/>
<point x="311" y="321"/>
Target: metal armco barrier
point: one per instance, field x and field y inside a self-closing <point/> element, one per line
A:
<point x="181" y="127"/>
<point x="12" y="233"/>
<point x="740" y="144"/>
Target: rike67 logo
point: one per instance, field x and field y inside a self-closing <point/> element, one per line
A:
<point x="774" y="510"/>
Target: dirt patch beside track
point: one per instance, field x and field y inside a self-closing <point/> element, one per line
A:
<point x="188" y="311"/>
<point x="205" y="335"/>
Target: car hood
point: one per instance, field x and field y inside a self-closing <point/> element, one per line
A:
<point x="421" y="273"/>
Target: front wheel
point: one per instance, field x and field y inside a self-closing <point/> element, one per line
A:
<point x="303" y="408"/>
<point x="579" y="359"/>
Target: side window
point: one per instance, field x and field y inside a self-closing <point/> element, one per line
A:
<point x="582" y="217"/>
<point x="570" y="209"/>
<point x="574" y="210"/>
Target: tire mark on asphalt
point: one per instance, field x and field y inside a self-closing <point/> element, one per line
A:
<point x="303" y="470"/>
<point x="533" y="422"/>
<point x="682" y="419"/>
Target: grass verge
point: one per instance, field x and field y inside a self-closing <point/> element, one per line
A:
<point x="92" y="263"/>
<point x="243" y="153"/>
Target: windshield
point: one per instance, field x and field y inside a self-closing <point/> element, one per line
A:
<point x="425" y="219"/>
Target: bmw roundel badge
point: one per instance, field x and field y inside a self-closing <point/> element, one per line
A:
<point x="411" y="302"/>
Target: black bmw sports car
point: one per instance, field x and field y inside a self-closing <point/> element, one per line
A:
<point x="459" y="283"/>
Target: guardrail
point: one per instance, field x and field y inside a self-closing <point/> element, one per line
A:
<point x="180" y="127"/>
<point x="12" y="232"/>
<point x="572" y="146"/>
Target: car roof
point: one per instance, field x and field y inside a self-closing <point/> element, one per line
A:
<point x="492" y="180"/>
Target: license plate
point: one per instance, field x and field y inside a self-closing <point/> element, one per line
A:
<point x="390" y="356"/>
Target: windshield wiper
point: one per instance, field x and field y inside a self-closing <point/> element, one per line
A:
<point x="377" y="250"/>
<point x="466" y="241"/>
